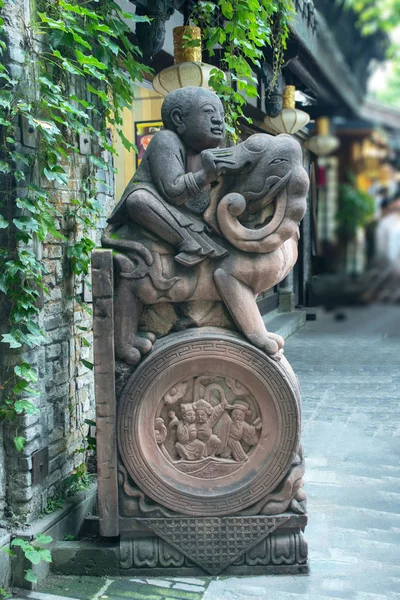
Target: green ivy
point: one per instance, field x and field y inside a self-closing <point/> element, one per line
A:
<point x="34" y="553"/>
<point x="239" y="30"/>
<point x="82" y="64"/>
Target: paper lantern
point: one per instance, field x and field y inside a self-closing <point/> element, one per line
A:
<point x="322" y="143"/>
<point x="291" y="119"/>
<point x="188" y="70"/>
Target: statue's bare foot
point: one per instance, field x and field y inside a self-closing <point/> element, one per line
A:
<point x="278" y="339"/>
<point x="273" y="344"/>
<point x="148" y="335"/>
<point x="141" y="345"/>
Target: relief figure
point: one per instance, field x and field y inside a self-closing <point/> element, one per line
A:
<point x="188" y="446"/>
<point x="206" y="417"/>
<point x="241" y="430"/>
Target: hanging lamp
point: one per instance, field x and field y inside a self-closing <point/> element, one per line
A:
<point x="188" y="70"/>
<point x="291" y="119"/>
<point x="322" y="143"/>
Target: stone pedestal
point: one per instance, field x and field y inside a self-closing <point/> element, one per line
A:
<point x="200" y="467"/>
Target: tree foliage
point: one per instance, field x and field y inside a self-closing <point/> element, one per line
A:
<point x="356" y="208"/>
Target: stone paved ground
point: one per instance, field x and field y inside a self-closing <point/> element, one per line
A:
<point x="350" y="377"/>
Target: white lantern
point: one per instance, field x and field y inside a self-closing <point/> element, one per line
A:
<point x="181" y="75"/>
<point x="322" y="143"/>
<point x="188" y="70"/>
<point x="291" y="119"/>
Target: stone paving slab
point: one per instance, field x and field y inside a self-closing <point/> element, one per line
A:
<point x="349" y="372"/>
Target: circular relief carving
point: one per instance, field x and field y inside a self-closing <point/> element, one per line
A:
<point x="208" y="424"/>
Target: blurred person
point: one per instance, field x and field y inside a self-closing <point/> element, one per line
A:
<point x="387" y="238"/>
<point x="380" y="195"/>
<point x="382" y="282"/>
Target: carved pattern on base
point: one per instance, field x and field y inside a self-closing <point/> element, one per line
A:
<point x="211" y="542"/>
<point x="278" y="549"/>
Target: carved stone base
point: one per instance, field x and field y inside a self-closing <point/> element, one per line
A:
<point x="232" y="545"/>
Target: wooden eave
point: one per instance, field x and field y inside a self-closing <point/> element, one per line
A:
<point x="320" y="63"/>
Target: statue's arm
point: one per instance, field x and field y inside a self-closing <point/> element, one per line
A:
<point x="167" y="164"/>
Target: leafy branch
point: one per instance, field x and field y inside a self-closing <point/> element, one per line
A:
<point x="238" y="30"/>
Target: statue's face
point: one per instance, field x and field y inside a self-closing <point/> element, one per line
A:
<point x="201" y="415"/>
<point x="238" y="415"/>
<point x="190" y="416"/>
<point x="204" y="125"/>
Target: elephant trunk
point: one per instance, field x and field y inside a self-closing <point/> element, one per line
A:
<point x="290" y="206"/>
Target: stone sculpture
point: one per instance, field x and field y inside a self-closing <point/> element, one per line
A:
<point x="199" y="446"/>
<point x="179" y="240"/>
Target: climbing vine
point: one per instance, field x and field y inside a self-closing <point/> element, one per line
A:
<point x="238" y="30"/>
<point x="81" y="64"/>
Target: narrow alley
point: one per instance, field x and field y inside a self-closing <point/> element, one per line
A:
<point x="350" y="379"/>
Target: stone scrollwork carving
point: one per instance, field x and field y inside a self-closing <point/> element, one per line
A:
<point x="289" y="495"/>
<point x="202" y="223"/>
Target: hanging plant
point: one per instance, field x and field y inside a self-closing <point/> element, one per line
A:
<point x="238" y="30"/>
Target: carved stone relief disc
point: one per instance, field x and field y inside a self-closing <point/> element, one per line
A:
<point x="208" y="424"/>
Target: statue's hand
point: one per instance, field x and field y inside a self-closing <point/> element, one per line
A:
<point x="216" y="161"/>
<point x="210" y="167"/>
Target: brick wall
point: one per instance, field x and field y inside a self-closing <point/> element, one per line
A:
<point x="65" y="384"/>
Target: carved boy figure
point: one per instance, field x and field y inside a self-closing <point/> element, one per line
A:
<point x="241" y="430"/>
<point x="176" y="168"/>
<point x="188" y="446"/>
<point x="206" y="417"/>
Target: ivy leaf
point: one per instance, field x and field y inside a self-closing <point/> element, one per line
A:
<point x="49" y="84"/>
<point x="136" y="18"/>
<point x="19" y="543"/>
<point x="26" y="224"/>
<point x="44" y="554"/>
<point x="56" y="174"/>
<point x="33" y="556"/>
<point x="8" y="338"/>
<point x="43" y="539"/>
<point x="24" y="405"/>
<point x="4" y="167"/>
<point x="87" y="364"/>
<point x="3" y="223"/>
<point x="24" y="370"/>
<point x="91" y="61"/>
<point x="30" y="576"/>
<point x="19" y="443"/>
<point x="100" y="93"/>
<point x="80" y="40"/>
